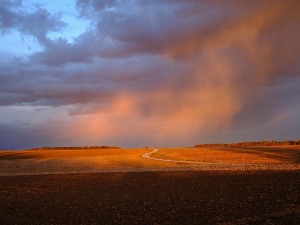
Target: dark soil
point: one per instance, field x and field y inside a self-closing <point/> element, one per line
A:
<point x="152" y="198"/>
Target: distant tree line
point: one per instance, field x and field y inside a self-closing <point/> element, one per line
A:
<point x="77" y="147"/>
<point x="251" y="143"/>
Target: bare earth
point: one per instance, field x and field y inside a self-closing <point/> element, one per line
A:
<point x="34" y="162"/>
<point x="205" y="197"/>
<point x="242" y="186"/>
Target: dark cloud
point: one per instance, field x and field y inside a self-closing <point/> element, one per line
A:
<point x="182" y="29"/>
<point x="60" y="52"/>
<point x="51" y="94"/>
<point x="15" y="137"/>
<point x="192" y="68"/>
<point x="86" y="7"/>
<point x="7" y="14"/>
<point x="39" y="23"/>
<point x="36" y="24"/>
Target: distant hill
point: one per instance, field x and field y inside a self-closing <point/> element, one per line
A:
<point x="251" y="143"/>
<point x="77" y="147"/>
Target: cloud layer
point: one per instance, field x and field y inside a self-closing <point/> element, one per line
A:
<point x="163" y="72"/>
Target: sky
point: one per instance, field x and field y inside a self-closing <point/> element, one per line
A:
<point x="134" y="73"/>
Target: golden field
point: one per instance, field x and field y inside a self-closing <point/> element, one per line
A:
<point x="103" y="160"/>
<point x="234" y="155"/>
<point x="75" y="161"/>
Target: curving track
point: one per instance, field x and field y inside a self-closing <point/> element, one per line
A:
<point x="154" y="150"/>
<point x="147" y="156"/>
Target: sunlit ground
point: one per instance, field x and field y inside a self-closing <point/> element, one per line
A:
<point x="233" y="155"/>
<point x="81" y="161"/>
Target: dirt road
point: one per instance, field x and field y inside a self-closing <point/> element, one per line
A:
<point x="154" y="150"/>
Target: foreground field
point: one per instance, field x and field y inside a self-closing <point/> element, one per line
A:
<point x="252" y="185"/>
<point x="32" y="162"/>
<point x="234" y="155"/>
<point x="206" y="197"/>
<point x="75" y="161"/>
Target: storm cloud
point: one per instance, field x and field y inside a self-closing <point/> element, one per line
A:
<point x="162" y="72"/>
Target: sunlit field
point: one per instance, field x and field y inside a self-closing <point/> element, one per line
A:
<point x="104" y="160"/>
<point x="248" y="185"/>
<point x="233" y="155"/>
<point x="74" y="161"/>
